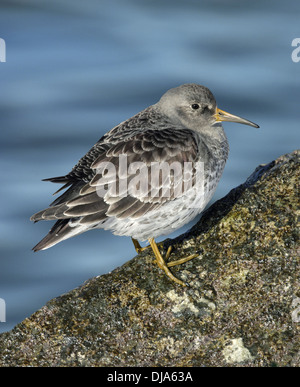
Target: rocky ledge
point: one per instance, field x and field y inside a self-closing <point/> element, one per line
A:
<point x="242" y="307"/>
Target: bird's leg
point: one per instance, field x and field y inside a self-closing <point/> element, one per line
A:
<point x="161" y="263"/>
<point x="139" y="248"/>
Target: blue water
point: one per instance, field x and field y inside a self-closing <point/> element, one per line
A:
<point x="75" y="69"/>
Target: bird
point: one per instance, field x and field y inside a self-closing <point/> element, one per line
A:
<point x="147" y="176"/>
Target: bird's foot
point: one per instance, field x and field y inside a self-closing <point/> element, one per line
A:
<point x="179" y="261"/>
<point x="165" y="266"/>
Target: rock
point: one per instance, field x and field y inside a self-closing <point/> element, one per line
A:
<point x="235" y="352"/>
<point x="242" y="307"/>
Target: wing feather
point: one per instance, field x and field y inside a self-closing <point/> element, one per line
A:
<point x="153" y="148"/>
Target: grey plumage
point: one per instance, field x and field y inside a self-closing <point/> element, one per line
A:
<point x="170" y="131"/>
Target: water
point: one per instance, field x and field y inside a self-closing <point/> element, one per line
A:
<point x="75" y="69"/>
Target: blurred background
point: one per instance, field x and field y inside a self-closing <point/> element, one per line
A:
<point x="74" y="69"/>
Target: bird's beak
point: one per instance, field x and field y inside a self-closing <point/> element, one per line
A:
<point x="220" y="115"/>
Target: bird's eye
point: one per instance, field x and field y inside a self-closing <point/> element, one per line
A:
<point x="195" y="106"/>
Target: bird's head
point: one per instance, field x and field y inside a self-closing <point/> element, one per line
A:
<point x="195" y="107"/>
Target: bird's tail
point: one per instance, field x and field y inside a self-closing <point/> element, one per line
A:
<point x="62" y="229"/>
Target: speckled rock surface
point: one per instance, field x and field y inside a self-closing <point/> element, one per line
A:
<point x="242" y="307"/>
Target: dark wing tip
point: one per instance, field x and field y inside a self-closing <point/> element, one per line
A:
<point x="57" y="179"/>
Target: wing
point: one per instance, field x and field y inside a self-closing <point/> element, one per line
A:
<point x="126" y="177"/>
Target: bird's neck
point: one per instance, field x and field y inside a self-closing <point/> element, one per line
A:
<point x="214" y="134"/>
